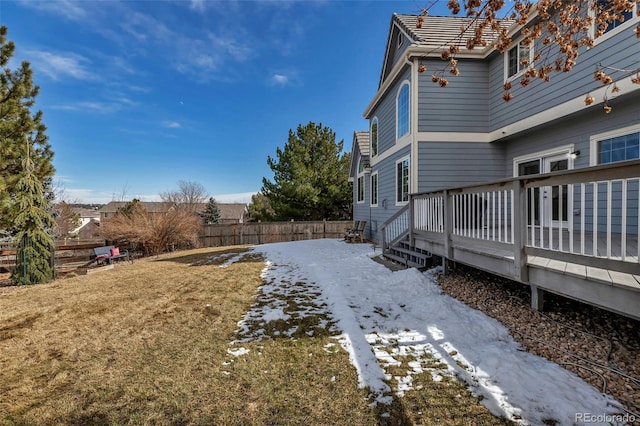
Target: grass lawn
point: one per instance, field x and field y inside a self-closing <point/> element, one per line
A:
<point x="148" y="343"/>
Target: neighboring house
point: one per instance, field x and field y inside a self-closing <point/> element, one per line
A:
<point x="233" y="212"/>
<point x="229" y="212"/>
<point x="152" y="207"/>
<point x="424" y="138"/>
<point x="86" y="216"/>
<point x="89" y="222"/>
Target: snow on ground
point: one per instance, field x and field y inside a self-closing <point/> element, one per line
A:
<point x="384" y="318"/>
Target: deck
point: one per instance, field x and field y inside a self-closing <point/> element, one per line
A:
<point x="573" y="233"/>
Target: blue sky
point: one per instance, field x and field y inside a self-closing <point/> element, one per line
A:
<point x="138" y="95"/>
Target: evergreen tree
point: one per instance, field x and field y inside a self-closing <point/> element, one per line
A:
<point x="310" y="176"/>
<point x="259" y="208"/>
<point x="211" y="214"/>
<point x="33" y="241"/>
<point x="18" y="127"/>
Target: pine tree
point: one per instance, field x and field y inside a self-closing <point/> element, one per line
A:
<point x="259" y="208"/>
<point x="33" y="241"/>
<point x="18" y="126"/>
<point x="310" y="176"/>
<point x="211" y="214"/>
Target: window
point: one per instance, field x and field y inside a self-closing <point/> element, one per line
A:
<point x="619" y="148"/>
<point x="374" y="190"/>
<point x="360" y="183"/>
<point x="374" y="137"/>
<point x="402" y="181"/>
<point x="400" y="40"/>
<point x="519" y="57"/>
<point x="606" y="4"/>
<point x="402" y="110"/>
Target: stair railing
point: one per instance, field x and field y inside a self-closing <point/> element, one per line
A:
<point x="395" y="228"/>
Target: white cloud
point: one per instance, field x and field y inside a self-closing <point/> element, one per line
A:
<point x="87" y="196"/>
<point x="171" y="124"/>
<point x="68" y="8"/>
<point x="61" y="65"/>
<point x="279" y="80"/>
<point x="99" y="107"/>
<point x="197" y="5"/>
<point x="243" y="197"/>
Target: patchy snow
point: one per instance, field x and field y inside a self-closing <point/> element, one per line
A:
<point x="387" y="318"/>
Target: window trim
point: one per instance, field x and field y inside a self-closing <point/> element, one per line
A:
<point x="376" y="122"/>
<point x="360" y="178"/>
<point x="635" y="18"/>
<point x="406" y="158"/>
<point x="400" y="89"/>
<point x="371" y="194"/>
<point x="594" y="140"/>
<point x="521" y="68"/>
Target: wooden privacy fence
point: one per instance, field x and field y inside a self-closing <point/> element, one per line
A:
<point x="270" y="232"/>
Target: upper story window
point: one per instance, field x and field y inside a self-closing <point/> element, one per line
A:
<point x="400" y="40"/>
<point x="402" y="181"/>
<point x="373" y="134"/>
<point x="619" y="148"/>
<point x="402" y="110"/>
<point x="600" y="32"/>
<point x="518" y="58"/>
<point x="625" y="16"/>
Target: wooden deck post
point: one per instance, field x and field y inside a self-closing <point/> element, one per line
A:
<point x="537" y="298"/>
<point x="520" y="269"/>
<point x="448" y="230"/>
<point x="411" y="221"/>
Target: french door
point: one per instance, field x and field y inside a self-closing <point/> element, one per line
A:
<point x="550" y="203"/>
<point x="555" y="203"/>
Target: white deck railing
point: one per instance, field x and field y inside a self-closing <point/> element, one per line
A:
<point x="587" y="216"/>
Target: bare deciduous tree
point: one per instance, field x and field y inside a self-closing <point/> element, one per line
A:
<point x="153" y="232"/>
<point x="189" y="196"/>
<point x="66" y="219"/>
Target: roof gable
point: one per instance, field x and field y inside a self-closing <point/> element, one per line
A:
<point x="435" y="34"/>
<point x="360" y="147"/>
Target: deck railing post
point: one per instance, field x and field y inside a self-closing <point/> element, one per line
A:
<point x="411" y="220"/>
<point x="448" y="228"/>
<point x="383" y="232"/>
<point x="520" y="271"/>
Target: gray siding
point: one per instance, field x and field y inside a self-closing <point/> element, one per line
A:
<point x="451" y="164"/>
<point x="576" y="129"/>
<point x="461" y="106"/>
<point x="386" y="113"/>
<point x="376" y="216"/>
<point x="620" y="51"/>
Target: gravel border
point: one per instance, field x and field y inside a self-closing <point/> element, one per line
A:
<point x="586" y="340"/>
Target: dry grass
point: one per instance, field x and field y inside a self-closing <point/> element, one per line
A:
<point x="147" y="344"/>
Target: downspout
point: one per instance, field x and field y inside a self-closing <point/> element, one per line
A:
<point x="413" y="163"/>
<point x="414" y="124"/>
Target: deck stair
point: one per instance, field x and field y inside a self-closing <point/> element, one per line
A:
<point x="402" y="252"/>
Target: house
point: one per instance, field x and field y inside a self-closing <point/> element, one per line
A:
<point x="233" y="212"/>
<point x="458" y="172"/>
<point x="229" y="212"/>
<point x="89" y="222"/>
<point x="152" y="207"/>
